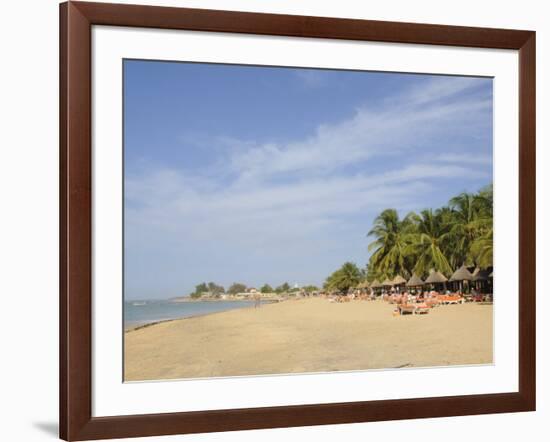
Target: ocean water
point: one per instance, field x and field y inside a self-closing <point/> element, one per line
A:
<point x="145" y="312"/>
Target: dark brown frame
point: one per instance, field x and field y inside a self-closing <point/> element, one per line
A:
<point x="76" y="421"/>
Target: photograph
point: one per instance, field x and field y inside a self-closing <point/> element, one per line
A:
<point x="288" y="220"/>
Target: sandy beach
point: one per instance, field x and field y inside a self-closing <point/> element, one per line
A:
<point x="309" y="335"/>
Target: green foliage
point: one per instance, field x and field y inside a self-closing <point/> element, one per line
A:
<point x="215" y="289"/>
<point x="201" y="288"/>
<point x="482" y="249"/>
<point x="426" y="243"/>
<point x="266" y="288"/>
<point x="391" y="255"/>
<point x="235" y="288"/>
<point x="283" y="288"/>
<point x="442" y="239"/>
<point x="310" y="288"/>
<point x="345" y="277"/>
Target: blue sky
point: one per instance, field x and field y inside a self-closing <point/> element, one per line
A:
<point x="258" y="174"/>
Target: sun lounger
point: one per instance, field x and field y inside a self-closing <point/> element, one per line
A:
<point x="450" y="299"/>
<point x="432" y="302"/>
<point x="406" y="308"/>
<point x="422" y="309"/>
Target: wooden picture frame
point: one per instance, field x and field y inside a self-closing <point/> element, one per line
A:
<point x="76" y="421"/>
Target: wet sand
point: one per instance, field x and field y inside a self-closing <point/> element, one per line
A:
<point x="309" y="335"/>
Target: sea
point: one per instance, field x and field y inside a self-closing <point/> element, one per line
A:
<point x="138" y="313"/>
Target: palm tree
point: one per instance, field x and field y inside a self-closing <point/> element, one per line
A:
<point x="471" y="219"/>
<point x="345" y="277"/>
<point x="482" y="249"/>
<point x="427" y="242"/>
<point x="390" y="245"/>
<point x="459" y="233"/>
<point x="484" y="201"/>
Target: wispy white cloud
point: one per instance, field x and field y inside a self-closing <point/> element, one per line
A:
<point x="284" y="204"/>
<point x="396" y="128"/>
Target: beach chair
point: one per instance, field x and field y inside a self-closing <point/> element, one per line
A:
<point x="422" y="309"/>
<point x="432" y="302"/>
<point x="406" y="308"/>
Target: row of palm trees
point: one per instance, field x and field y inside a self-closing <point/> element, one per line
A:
<point x="441" y="239"/>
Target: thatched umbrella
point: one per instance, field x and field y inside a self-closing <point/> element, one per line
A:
<point x="462" y="274"/>
<point x="387" y="283"/>
<point x="415" y="281"/>
<point x="481" y="278"/>
<point x="375" y="285"/>
<point x="436" y="277"/>
<point x="481" y="275"/>
<point x="399" y="280"/>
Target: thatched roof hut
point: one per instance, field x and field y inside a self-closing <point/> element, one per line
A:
<point x="363" y="285"/>
<point x="436" y="277"/>
<point x="387" y="282"/>
<point x="399" y="280"/>
<point x="415" y="281"/>
<point x="375" y="284"/>
<point x="481" y="275"/>
<point x="462" y="274"/>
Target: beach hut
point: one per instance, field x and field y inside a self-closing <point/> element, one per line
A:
<point x="436" y="279"/>
<point x="481" y="275"/>
<point x="398" y="281"/>
<point x="481" y="279"/>
<point x="460" y="276"/>
<point x="364" y="287"/>
<point x="387" y="284"/>
<point x="376" y="286"/>
<point x="414" y="281"/>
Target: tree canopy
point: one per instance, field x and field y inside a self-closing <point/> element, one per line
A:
<point x="345" y="277"/>
<point x="441" y="239"/>
<point x="283" y="288"/>
<point x="235" y="288"/>
<point x="266" y="288"/>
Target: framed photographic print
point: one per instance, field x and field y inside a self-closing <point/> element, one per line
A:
<point x="273" y="220"/>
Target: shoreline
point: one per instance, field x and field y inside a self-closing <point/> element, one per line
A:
<point x="161" y="321"/>
<point x="308" y="336"/>
<point x="185" y="300"/>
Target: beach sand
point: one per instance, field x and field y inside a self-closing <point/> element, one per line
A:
<point x="309" y="335"/>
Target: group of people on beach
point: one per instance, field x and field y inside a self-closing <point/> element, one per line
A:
<point x="417" y="301"/>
